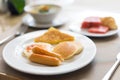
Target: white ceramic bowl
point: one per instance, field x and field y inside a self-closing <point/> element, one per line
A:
<point x="43" y="17"/>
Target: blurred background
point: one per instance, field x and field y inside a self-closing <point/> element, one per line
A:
<point x="12" y="11"/>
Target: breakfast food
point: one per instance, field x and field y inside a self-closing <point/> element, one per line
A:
<point x="45" y="56"/>
<point x="68" y="49"/>
<point x="99" y="29"/>
<point x="28" y="48"/>
<point x="39" y="50"/>
<point x="52" y="48"/>
<point x="110" y="22"/>
<point x="44" y="59"/>
<point x="54" y="36"/>
<point x="40" y="9"/>
<point x="90" y="22"/>
<point x="99" y="24"/>
<point x="44" y="9"/>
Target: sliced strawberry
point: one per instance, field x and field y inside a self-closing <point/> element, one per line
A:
<point x="91" y="21"/>
<point x="99" y="29"/>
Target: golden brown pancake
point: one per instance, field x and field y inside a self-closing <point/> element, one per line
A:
<point x="68" y="49"/>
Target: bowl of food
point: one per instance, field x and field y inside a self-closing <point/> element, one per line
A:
<point x="43" y="13"/>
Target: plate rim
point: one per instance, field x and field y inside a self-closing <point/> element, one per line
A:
<point x="58" y="19"/>
<point x="63" y="72"/>
<point x="110" y="33"/>
<point x="95" y="13"/>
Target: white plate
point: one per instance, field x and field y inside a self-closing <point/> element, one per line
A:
<point x="76" y="26"/>
<point x="28" y="20"/>
<point x="12" y="55"/>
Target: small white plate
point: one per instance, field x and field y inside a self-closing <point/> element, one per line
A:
<point x="76" y="25"/>
<point x="28" y="20"/>
<point x="12" y="55"/>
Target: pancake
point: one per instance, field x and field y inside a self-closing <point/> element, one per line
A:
<point x="68" y="49"/>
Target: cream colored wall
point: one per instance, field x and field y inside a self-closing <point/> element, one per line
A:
<point x="106" y="5"/>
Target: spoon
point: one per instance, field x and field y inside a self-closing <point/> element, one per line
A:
<point x="113" y="68"/>
<point x="21" y="30"/>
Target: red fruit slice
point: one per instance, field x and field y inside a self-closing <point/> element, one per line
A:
<point x="91" y="21"/>
<point x="99" y="29"/>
